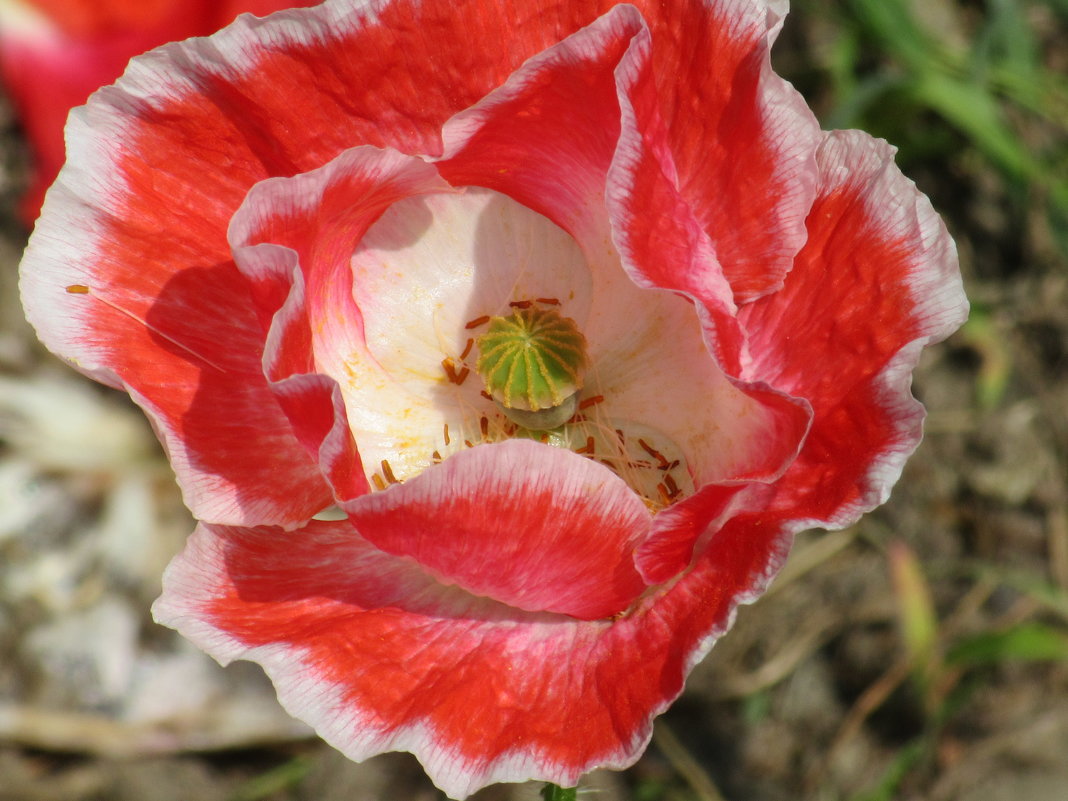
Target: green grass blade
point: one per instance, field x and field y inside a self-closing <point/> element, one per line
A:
<point x="1028" y="642"/>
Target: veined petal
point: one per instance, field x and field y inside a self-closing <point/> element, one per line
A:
<point x="158" y="163"/>
<point x="876" y="282"/>
<point x="542" y="652"/>
<point x="414" y="273"/>
<point x="293" y="238"/>
<point x="758" y="427"/>
<point x="197" y="374"/>
<point x="367" y="272"/>
<point x="548" y="137"/>
<point x="685" y="528"/>
<point x="742" y="139"/>
<point x="529" y="525"/>
<point x="378" y="656"/>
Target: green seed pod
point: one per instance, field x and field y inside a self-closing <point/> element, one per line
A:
<point x="533" y="363"/>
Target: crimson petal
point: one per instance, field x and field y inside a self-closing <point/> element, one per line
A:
<point x="293" y="239"/>
<point x="378" y="656"/>
<point x="876" y="282"/>
<point x="534" y="527"/>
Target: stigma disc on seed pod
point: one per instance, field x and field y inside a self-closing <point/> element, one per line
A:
<point x="533" y="363"/>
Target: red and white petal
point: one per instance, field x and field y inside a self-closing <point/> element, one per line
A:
<point x="652" y="366"/>
<point x="876" y="282"/>
<point x="546" y="136"/>
<point x="186" y="346"/>
<point x="293" y="238"/>
<point x="532" y="526"/>
<point x="157" y="165"/>
<point x="561" y="111"/>
<point x="368" y="271"/>
<point x="684" y="529"/>
<point x="377" y="656"/>
<point x="741" y="137"/>
<point x="729" y="429"/>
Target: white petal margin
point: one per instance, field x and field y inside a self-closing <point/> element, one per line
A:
<point x="354" y="580"/>
<point x="893" y="210"/>
<point x="935" y="285"/>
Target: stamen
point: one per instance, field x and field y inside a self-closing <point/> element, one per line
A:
<point x="588" y="447"/>
<point x="664" y="496"/>
<point x="467" y="349"/>
<point x="78" y="289"/>
<point x="450" y="368"/>
<point x="436" y="457"/>
<point x="593" y="401"/>
<point x="450" y="371"/>
<point x="483" y="424"/>
<point x="378" y="482"/>
<point x="469" y="443"/>
<point x="446" y="430"/>
<point x="671" y="466"/>
<point x="654" y="453"/>
<point x="485" y="318"/>
<point x="548" y="301"/>
<point x="387" y="471"/>
<point x="485" y="395"/>
<point x="521" y="304"/>
<point x="672" y="487"/>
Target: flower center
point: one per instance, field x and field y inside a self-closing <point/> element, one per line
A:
<point x="482" y="321"/>
<point x="533" y="363"/>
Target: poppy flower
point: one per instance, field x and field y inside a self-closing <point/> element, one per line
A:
<point x="54" y="53"/>
<point x="337" y="255"/>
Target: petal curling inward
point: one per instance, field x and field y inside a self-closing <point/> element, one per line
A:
<point x="876" y="282"/>
<point x="158" y="163"/>
<point x="293" y="239"/>
<point x="759" y="428"/>
<point x="549" y="139"/>
<point x="198" y="123"/>
<point x="529" y="525"/>
<point x="742" y="139"/>
<point x="378" y="656"/>
<point x="183" y="342"/>
<point x="546" y="136"/>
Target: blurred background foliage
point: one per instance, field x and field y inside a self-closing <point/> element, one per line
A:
<point x="961" y="88"/>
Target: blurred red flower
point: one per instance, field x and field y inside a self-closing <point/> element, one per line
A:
<point x="55" y="53"/>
